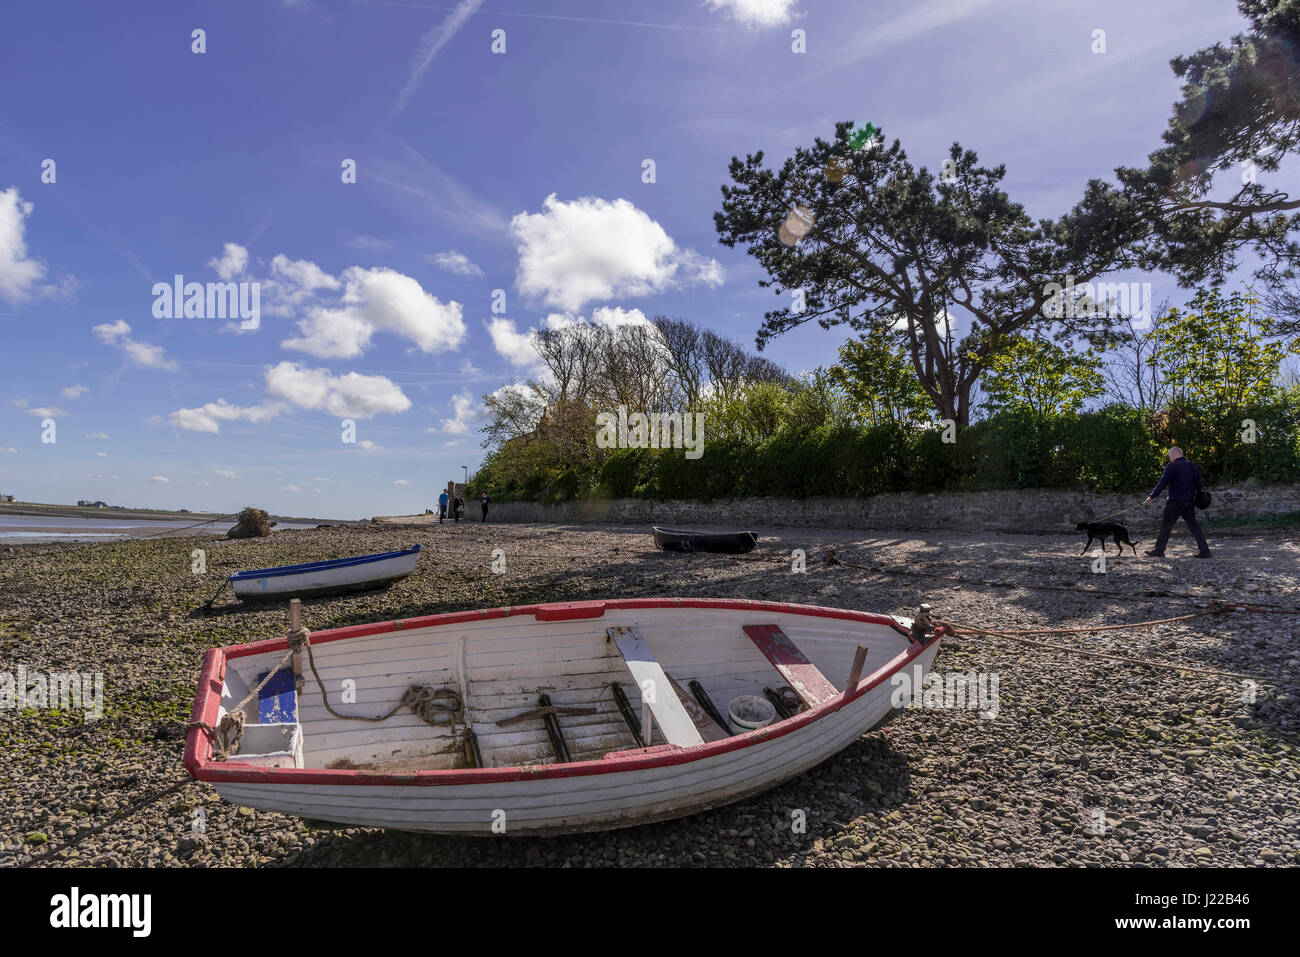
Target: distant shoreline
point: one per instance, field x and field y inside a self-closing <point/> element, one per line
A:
<point x="90" y="511"/>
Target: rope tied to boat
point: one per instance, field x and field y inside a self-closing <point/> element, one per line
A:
<point x="230" y="730"/>
<point x="1018" y="635"/>
<point x="225" y="736"/>
<point x="434" y="706"/>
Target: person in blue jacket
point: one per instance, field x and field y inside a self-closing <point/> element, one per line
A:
<point x="1183" y="479"/>
<point x="442" y="507"/>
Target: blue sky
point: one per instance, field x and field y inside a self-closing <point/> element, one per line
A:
<point x="476" y="171"/>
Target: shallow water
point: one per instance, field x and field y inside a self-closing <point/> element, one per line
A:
<point x="52" y="528"/>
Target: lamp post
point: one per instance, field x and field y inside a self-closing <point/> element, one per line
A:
<point x="466" y="468"/>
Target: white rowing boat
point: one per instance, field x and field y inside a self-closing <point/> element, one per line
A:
<point x="327" y="577"/>
<point x="533" y="725"/>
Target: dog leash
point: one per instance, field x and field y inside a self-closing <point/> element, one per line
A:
<point x="1120" y="512"/>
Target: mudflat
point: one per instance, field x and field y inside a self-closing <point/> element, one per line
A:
<point x="1091" y="757"/>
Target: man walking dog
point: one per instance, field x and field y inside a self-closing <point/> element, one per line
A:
<point x="1183" y="479"/>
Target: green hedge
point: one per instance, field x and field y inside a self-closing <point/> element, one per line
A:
<point x="1113" y="449"/>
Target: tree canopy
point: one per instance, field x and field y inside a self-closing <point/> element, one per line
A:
<point x="864" y="238"/>
<point x="1208" y="191"/>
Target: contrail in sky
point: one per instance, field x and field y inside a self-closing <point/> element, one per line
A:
<point x="432" y="42"/>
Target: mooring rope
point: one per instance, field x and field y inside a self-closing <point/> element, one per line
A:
<point x="831" y="559"/>
<point x="1017" y="635"/>
<point x="431" y="705"/>
<point x="117" y="817"/>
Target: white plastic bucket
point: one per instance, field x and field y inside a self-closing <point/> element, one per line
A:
<point x="748" y="712"/>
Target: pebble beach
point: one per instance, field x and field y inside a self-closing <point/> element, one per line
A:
<point x="1088" y="761"/>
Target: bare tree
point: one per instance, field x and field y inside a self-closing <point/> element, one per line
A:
<point x="1131" y="376"/>
<point x="683" y="343"/>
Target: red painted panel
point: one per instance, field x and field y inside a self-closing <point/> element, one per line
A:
<point x="804" y="677"/>
<point x="569" y="611"/>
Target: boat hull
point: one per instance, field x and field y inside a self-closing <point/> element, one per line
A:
<point x="324" y="578"/>
<point x="726" y="543"/>
<point x="622" y="789"/>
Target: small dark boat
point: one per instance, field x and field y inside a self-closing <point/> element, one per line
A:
<point x="729" y="543"/>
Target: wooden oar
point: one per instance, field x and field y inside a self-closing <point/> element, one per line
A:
<point x="625" y="706"/>
<point x="704" y="722"/>
<point x="706" y="703"/>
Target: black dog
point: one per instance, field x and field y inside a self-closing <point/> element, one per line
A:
<point x="1103" y="530"/>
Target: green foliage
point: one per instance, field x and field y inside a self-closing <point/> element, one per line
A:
<point x="860" y="428"/>
<point x="880" y="383"/>
<point x="1041" y="377"/>
<point x="889" y="248"/>
<point x="1215" y="356"/>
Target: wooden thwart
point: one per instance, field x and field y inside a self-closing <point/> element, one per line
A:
<point x="662" y="700"/>
<point x="800" y="673"/>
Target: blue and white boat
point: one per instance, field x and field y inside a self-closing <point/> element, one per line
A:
<point x="318" y="578"/>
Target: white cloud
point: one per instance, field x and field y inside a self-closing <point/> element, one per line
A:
<point x="369" y="446"/>
<point x="96" y="435"/>
<point x="455" y="262"/>
<point x="73" y="391"/>
<point x="206" y="417"/>
<point x="594" y="249"/>
<point x="291" y="488"/>
<point x="292" y="282"/>
<point x="379" y="299"/>
<point x="226" y="473"/>
<point x="466" y="414"/>
<point x="757" y="13"/>
<point x="159" y="479"/>
<point x="102" y="455"/>
<point x="401" y="482"/>
<point x="20" y="403"/>
<point x="232" y="262"/>
<point x="517" y="347"/>
<point x="514" y="346"/>
<point x="352" y="395"/>
<point x="302" y="274"/>
<point x="116" y="334"/>
<point x="47" y="412"/>
<point x="613" y="316"/>
<point x="8" y="448"/>
<point x="18" y="273"/>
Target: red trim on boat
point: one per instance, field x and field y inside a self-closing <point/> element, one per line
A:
<point x="208" y="701"/>
<point x="570" y="611"/>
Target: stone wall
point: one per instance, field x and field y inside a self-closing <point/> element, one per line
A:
<point x="1027" y="510"/>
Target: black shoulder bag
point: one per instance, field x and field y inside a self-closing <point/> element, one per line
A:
<point x="1203" y="497"/>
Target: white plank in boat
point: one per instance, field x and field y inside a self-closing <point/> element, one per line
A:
<point x="803" y="676"/>
<point x="672" y="718"/>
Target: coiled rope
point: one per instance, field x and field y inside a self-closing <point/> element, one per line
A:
<point x="435" y="706"/>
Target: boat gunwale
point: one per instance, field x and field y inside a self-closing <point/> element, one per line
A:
<point x="279" y="570"/>
<point x="687" y="533"/>
<point x="212" y="678"/>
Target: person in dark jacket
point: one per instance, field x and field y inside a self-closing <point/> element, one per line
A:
<point x="484" y="501"/>
<point x="458" y="506"/>
<point x="1182" y="478"/>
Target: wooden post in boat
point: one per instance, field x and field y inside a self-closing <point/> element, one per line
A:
<point x="859" y="662"/>
<point x="295" y="625"/>
<point x="647" y="716"/>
